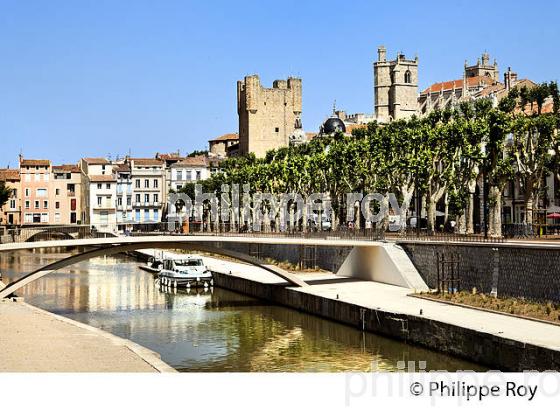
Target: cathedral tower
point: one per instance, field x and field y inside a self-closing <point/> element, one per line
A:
<point x="395" y="87"/>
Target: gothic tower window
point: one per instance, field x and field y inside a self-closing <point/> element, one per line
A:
<point x="407" y="77"/>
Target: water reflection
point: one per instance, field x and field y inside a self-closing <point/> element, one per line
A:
<point x="216" y="330"/>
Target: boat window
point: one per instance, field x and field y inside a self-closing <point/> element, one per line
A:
<point x="189" y="262"/>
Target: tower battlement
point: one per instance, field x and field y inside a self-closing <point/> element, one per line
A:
<point x="267" y="116"/>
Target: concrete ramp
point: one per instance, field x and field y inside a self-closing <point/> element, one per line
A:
<point x="387" y="263"/>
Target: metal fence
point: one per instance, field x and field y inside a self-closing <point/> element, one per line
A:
<point x="442" y="236"/>
<point x="226" y="229"/>
<point x="531" y="231"/>
<point x="55" y="232"/>
<point x="52" y="232"/>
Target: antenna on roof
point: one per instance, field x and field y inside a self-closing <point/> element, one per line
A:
<point x="334" y="107"/>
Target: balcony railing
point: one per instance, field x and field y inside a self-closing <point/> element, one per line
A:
<point x="108" y="206"/>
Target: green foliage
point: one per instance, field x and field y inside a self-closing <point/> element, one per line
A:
<point x="5" y="194"/>
<point x="197" y="153"/>
<point x="440" y="154"/>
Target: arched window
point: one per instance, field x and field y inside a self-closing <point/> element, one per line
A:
<point x="407" y="77"/>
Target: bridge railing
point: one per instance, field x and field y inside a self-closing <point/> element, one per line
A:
<point x="50" y="232"/>
<point x="226" y="229"/>
<point x="412" y="234"/>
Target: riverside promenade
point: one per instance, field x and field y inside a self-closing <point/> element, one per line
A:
<point x="33" y="340"/>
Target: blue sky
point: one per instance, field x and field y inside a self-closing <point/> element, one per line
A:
<point x="92" y="78"/>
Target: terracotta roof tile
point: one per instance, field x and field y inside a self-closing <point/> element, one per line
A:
<point x="226" y="137"/>
<point x="102" y="178"/>
<point x="122" y="168"/>
<point x="198" y="161"/>
<point x="143" y="162"/>
<point x="449" y="85"/>
<point x="66" y="168"/>
<point x="96" y="161"/>
<point x="35" y="162"/>
<point x="172" y="155"/>
<point x="9" y="174"/>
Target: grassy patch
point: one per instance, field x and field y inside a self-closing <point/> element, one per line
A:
<point x="515" y="306"/>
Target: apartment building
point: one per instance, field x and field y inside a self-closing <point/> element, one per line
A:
<point x="169" y="159"/>
<point x="64" y="195"/>
<point x="99" y="192"/>
<point x="124" y="196"/>
<point x="35" y="176"/>
<point x="148" y="189"/>
<point x="187" y="170"/>
<point x="11" y="211"/>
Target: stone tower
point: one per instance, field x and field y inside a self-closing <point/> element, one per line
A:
<point x="395" y="87"/>
<point x="267" y="116"/>
<point x="483" y="68"/>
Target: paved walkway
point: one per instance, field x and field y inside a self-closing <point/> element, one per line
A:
<point x="33" y="340"/>
<point x="395" y="299"/>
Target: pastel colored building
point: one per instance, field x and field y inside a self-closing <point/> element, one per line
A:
<point x="99" y="192"/>
<point x="124" y="196"/>
<point x="11" y="211"/>
<point x="65" y="195"/>
<point x="148" y="189"/>
<point x="35" y="177"/>
<point x="219" y="146"/>
<point x="187" y="170"/>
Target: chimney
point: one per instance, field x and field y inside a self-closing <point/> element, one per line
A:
<point x="510" y="78"/>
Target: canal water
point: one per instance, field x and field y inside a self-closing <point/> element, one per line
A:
<point x="212" y="331"/>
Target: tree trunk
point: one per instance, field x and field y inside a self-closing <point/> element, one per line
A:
<point x="431" y="215"/>
<point x="462" y="223"/>
<point x="495" y="212"/>
<point x="407" y="197"/>
<point x="529" y="200"/>
<point x="334" y="219"/>
<point x="304" y="221"/>
<point x="469" y="216"/>
<point x="357" y="216"/>
<point x="446" y="214"/>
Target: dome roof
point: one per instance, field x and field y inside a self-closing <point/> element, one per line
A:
<point x="332" y="125"/>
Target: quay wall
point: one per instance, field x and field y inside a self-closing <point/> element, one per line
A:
<point x="508" y="271"/>
<point x="490" y="350"/>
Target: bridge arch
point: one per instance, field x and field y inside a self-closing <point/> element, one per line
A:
<point x="113" y="249"/>
<point x="49" y="236"/>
